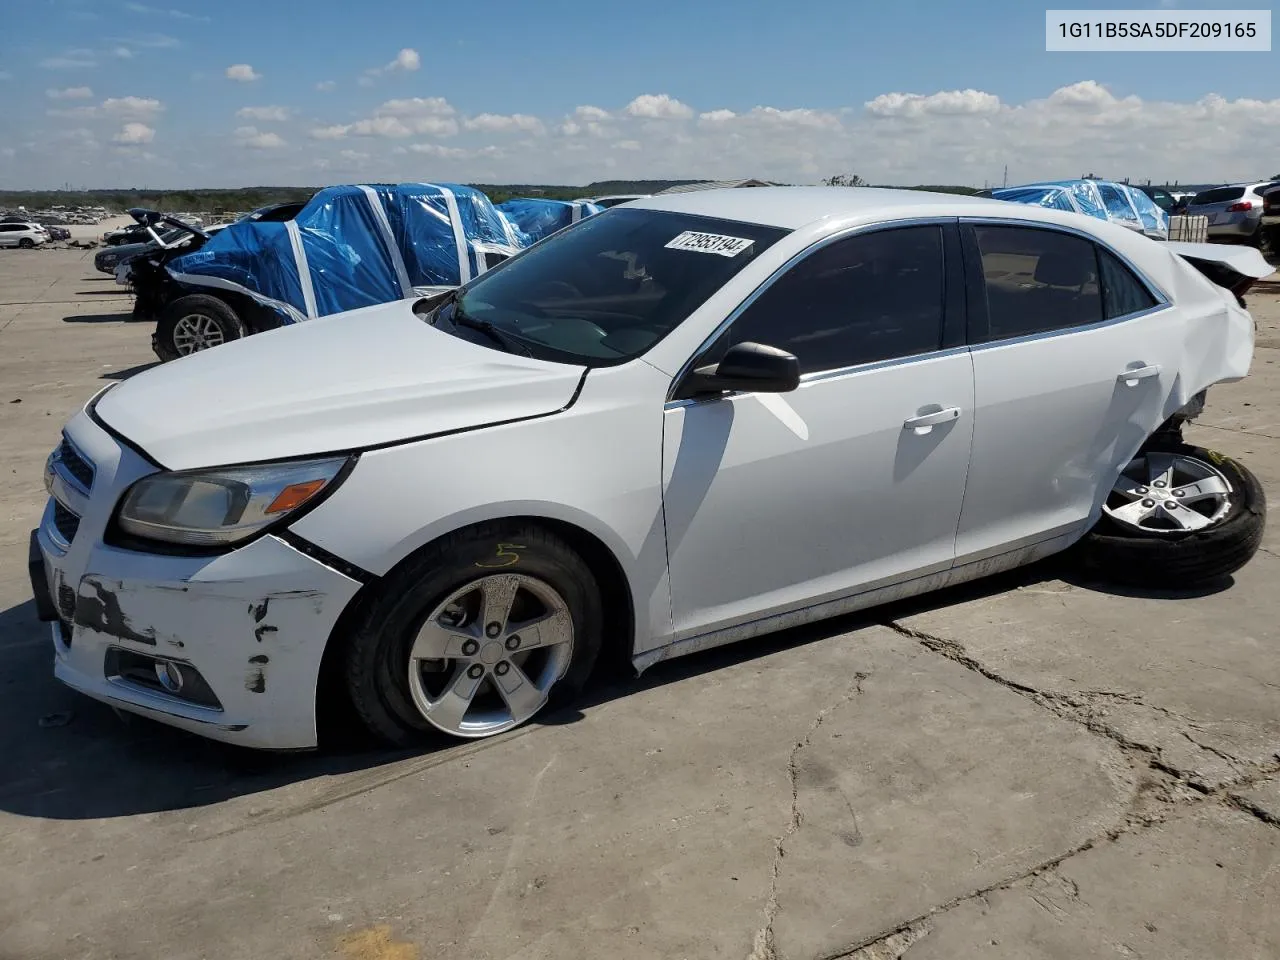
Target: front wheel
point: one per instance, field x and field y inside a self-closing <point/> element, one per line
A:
<point x="475" y="636"/>
<point x="194" y="323"/>
<point x="1177" y="517"/>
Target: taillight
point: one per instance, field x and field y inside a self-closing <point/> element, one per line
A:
<point x="1240" y="207"/>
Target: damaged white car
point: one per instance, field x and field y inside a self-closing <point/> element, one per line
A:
<point x="682" y="422"/>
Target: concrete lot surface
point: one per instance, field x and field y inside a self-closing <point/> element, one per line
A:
<point x="1029" y="767"/>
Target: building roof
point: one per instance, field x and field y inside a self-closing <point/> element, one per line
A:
<point x="716" y="185"/>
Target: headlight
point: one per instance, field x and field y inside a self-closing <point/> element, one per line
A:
<point x="221" y="507"/>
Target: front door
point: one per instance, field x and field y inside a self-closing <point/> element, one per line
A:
<point x="775" y="502"/>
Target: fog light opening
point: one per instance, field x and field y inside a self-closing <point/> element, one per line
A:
<point x="170" y="675"/>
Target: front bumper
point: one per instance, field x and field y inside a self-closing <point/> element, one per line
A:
<point x="252" y="624"/>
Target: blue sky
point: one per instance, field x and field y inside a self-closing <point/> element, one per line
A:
<point x="100" y="92"/>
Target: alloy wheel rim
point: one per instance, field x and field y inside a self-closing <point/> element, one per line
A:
<point x="486" y="658"/>
<point x="1169" y="493"/>
<point x="196" y="332"/>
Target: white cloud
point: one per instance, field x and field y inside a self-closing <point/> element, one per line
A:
<point x="163" y="12"/>
<point x="495" y="122"/>
<point x="658" y="106"/>
<point x="143" y="107"/>
<point x="943" y="103"/>
<point x="948" y="136"/>
<point x="335" y="132"/>
<point x="416" y="107"/>
<point x="436" y="150"/>
<point x="71" y="60"/>
<point x="252" y="138"/>
<point x="324" y="86"/>
<point x="243" y="73"/>
<point x="353" y="156"/>
<point x="124" y="53"/>
<point x="70" y="93"/>
<point x="134" y="133"/>
<point x="264" y="114"/>
<point x="407" y="60"/>
<point x="397" y="119"/>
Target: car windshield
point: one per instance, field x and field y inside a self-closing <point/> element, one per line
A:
<point x="607" y="289"/>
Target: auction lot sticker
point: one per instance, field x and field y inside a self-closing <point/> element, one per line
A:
<point x="709" y="243"/>
<point x="1148" y="31"/>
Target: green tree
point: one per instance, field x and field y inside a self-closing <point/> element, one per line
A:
<point x="845" y="180"/>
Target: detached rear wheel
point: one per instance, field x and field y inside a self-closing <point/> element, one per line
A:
<point x="194" y="323"/>
<point x="1177" y="517"/>
<point x="475" y="636"/>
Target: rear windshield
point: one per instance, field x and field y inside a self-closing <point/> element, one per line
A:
<point x="607" y="289"/>
<point x="1219" y="195"/>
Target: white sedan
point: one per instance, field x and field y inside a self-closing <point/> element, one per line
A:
<point x="686" y="421"/>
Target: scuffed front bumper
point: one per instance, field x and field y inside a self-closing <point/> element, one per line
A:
<point x="252" y="623"/>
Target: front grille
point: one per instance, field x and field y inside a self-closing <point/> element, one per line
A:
<point x="76" y="465"/>
<point x="66" y="522"/>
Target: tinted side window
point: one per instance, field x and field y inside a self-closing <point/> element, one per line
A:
<point x="1037" y="280"/>
<point x="1219" y="195"/>
<point x="872" y="297"/>
<point x="1122" y="292"/>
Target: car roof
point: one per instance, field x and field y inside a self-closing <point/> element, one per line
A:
<point x="795" y="207"/>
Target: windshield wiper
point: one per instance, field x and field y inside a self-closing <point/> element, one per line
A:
<point x="460" y="318"/>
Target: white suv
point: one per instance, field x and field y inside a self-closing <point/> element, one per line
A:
<point x="25" y="235"/>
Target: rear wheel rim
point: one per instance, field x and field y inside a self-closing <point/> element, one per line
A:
<point x="486" y="658"/>
<point x="1169" y="494"/>
<point x="196" y="331"/>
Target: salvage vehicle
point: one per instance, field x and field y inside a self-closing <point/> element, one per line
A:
<point x="1235" y="211"/>
<point x="167" y="236"/>
<point x="1103" y="199"/>
<point x="24" y="235"/>
<point x="349" y="246"/>
<point x="682" y="422"/>
<point x="534" y="218"/>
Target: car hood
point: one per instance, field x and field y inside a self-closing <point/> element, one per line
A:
<point x="366" y="378"/>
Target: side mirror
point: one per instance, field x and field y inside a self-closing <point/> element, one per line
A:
<point x="749" y="367"/>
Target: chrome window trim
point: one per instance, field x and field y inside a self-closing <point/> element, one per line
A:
<point x="821" y="376"/>
<point x="1163" y="300"/>
<point x="779" y="272"/>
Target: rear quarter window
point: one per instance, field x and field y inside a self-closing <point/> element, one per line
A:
<point x="1219" y="195"/>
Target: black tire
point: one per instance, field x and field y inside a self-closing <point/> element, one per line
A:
<point x="1121" y="554"/>
<point x="26" y="243"/>
<point x="376" y="658"/>
<point x="199" y="304"/>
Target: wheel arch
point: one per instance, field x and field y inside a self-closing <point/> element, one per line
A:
<point x="617" y="601"/>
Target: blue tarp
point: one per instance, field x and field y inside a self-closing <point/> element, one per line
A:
<point x="1102" y="199"/>
<point x="536" y="219"/>
<point x="355" y="246"/>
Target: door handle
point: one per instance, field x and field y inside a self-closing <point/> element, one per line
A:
<point x="927" y="421"/>
<point x="1130" y="378"/>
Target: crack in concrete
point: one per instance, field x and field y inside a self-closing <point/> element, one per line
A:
<point x="1245" y="805"/>
<point x="763" y="946"/>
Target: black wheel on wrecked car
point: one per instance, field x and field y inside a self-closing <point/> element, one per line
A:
<point x="193" y="323"/>
<point x="1178" y="516"/>
<point x="474" y="635"/>
<point x="26" y="243"/>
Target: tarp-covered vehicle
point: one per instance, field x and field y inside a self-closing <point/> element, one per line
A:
<point x="350" y="246"/>
<point x="535" y="218"/>
<point x="1102" y="199"/>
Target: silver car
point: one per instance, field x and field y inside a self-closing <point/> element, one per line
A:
<point x="1234" y="212"/>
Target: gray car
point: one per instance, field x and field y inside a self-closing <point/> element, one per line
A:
<point x="1234" y="211"/>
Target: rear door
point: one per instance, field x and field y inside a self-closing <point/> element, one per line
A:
<point x="1072" y="367"/>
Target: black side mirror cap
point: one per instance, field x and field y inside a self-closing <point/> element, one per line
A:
<point x="747" y="367"/>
